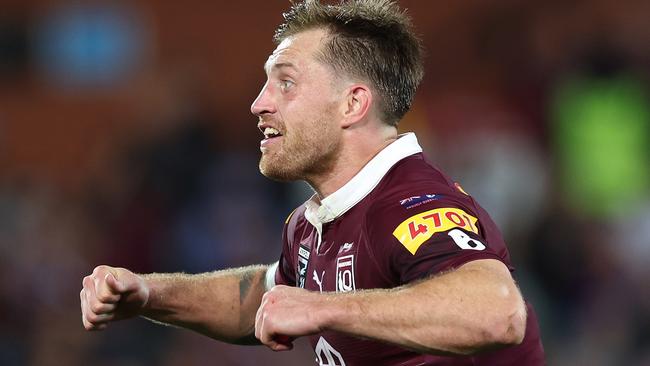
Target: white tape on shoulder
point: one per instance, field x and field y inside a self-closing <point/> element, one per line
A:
<point x="270" y="275"/>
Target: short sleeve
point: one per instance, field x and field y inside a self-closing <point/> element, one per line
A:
<point x="430" y="239"/>
<point x="285" y="273"/>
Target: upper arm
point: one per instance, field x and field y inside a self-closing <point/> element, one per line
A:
<point x="497" y="290"/>
<point x="436" y="237"/>
<point x="283" y="272"/>
<point x="490" y="267"/>
<point x="488" y="277"/>
<point x="491" y="271"/>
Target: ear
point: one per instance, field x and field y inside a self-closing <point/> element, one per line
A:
<point x="357" y="104"/>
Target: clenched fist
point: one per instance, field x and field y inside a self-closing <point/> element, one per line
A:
<point x="287" y="313"/>
<point x="111" y="294"/>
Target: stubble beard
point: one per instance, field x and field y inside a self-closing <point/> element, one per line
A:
<point x="303" y="155"/>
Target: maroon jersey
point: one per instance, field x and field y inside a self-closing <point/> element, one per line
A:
<point x="398" y="220"/>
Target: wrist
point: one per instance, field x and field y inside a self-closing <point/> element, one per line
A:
<point x="335" y="311"/>
<point x="152" y="288"/>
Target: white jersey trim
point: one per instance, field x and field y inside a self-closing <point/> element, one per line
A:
<point x="362" y="183"/>
<point x="270" y="276"/>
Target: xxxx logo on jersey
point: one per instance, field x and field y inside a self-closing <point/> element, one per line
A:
<point x="417" y="229"/>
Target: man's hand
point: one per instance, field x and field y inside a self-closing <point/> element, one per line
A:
<point x="287" y="313"/>
<point x="111" y="294"/>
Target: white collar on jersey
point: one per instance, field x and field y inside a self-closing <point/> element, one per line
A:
<point x="362" y="183"/>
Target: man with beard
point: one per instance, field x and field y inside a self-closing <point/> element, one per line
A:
<point x="390" y="262"/>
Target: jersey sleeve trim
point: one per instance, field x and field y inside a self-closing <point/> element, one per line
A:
<point x="270" y="276"/>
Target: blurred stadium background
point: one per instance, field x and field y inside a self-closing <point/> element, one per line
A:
<point x="126" y="139"/>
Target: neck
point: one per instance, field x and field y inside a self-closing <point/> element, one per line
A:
<point x="357" y="150"/>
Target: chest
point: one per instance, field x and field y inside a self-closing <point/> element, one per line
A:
<point x="340" y="259"/>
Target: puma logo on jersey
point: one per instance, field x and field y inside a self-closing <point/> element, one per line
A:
<point x="319" y="280"/>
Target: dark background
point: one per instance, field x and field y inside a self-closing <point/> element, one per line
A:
<point x="126" y="139"/>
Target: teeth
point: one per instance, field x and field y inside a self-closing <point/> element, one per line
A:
<point x="270" y="132"/>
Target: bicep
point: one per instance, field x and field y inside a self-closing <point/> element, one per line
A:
<point x="489" y="279"/>
<point x="487" y="267"/>
<point x="485" y="272"/>
<point x="442" y="253"/>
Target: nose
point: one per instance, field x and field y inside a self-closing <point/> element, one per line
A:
<point x="263" y="104"/>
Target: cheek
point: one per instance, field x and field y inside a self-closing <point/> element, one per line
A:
<point x="306" y="114"/>
<point x="297" y="118"/>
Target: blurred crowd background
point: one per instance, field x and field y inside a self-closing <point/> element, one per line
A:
<point x="126" y="139"/>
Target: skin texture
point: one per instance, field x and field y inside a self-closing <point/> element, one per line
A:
<point x="328" y="122"/>
<point x="220" y="304"/>
<point x="330" y="130"/>
<point x="309" y="142"/>
<point x="441" y="315"/>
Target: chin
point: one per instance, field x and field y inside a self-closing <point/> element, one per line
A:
<point x="277" y="172"/>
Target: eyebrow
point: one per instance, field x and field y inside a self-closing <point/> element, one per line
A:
<point x="280" y="65"/>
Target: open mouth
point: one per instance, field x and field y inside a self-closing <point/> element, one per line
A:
<point x="270" y="133"/>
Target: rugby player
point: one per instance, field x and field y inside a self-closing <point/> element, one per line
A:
<point x="390" y="262"/>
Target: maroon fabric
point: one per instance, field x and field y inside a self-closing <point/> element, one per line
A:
<point x="359" y="251"/>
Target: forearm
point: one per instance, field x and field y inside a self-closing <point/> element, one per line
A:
<point x="221" y="304"/>
<point x="464" y="312"/>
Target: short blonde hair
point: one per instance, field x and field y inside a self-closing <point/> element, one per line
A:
<point x="372" y="40"/>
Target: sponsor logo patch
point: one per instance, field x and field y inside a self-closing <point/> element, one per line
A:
<point x="345" y="247"/>
<point x="416" y="201"/>
<point x="345" y="273"/>
<point x="417" y="229"/>
<point x="303" y="262"/>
